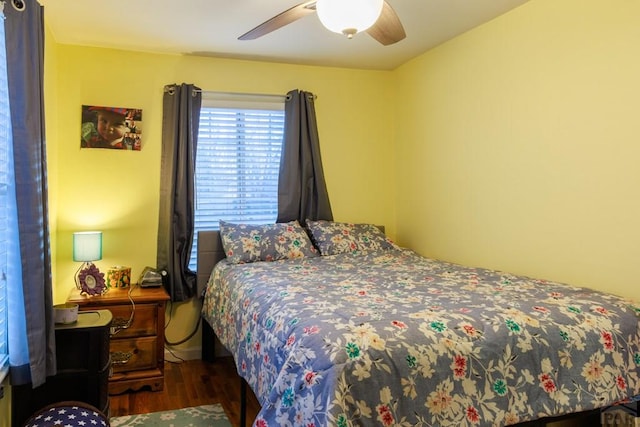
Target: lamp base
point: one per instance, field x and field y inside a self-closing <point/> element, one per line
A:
<point x="89" y="280"/>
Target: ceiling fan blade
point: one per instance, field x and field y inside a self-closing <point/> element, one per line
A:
<point x="388" y="29"/>
<point x="280" y="20"/>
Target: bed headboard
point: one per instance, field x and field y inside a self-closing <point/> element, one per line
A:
<point x="210" y="251"/>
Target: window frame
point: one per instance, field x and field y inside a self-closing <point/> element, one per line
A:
<point x="250" y="104"/>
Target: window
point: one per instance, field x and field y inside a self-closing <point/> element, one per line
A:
<point x="238" y="160"/>
<point x="5" y="186"/>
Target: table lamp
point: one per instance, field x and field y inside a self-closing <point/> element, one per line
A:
<point x="87" y="247"/>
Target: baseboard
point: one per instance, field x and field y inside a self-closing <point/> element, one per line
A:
<point x="177" y="354"/>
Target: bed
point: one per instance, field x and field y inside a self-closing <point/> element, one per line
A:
<point x="350" y="329"/>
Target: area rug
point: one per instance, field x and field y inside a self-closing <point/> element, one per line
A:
<point x="197" y="416"/>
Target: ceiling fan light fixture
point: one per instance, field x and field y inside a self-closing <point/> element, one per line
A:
<point x="348" y="17"/>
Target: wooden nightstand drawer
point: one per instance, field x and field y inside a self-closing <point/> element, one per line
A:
<point x="144" y="320"/>
<point x="134" y="354"/>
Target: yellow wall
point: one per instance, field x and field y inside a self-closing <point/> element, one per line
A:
<point x="118" y="191"/>
<point x="518" y="145"/>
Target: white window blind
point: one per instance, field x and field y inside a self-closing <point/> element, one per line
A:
<point x="5" y="140"/>
<point x="237" y="161"/>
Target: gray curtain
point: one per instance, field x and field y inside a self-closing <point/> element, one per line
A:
<point x="180" y="121"/>
<point x="25" y="55"/>
<point x="302" y="191"/>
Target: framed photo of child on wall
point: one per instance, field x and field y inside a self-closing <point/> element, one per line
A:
<point x="111" y="127"/>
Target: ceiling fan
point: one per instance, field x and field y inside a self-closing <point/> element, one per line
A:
<point x="380" y="20"/>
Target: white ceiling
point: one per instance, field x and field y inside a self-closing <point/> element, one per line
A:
<point x="212" y="28"/>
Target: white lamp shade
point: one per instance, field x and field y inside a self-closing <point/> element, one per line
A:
<point x="348" y="16"/>
<point x="87" y="246"/>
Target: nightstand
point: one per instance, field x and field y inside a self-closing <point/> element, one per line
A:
<point x="137" y="334"/>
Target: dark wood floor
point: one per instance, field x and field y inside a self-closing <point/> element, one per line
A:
<point x="190" y="383"/>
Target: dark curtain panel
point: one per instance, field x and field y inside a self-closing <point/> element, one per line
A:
<point x="25" y="56"/>
<point x="302" y="191"/>
<point x="180" y="121"/>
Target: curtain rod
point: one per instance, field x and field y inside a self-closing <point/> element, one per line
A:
<point x="257" y="95"/>
<point x="169" y="88"/>
<point x="285" y="97"/>
<point x="18" y="5"/>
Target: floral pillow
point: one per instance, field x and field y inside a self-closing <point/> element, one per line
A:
<point x="244" y="243"/>
<point x="337" y="237"/>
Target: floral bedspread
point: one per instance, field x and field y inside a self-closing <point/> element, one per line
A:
<point x="394" y="339"/>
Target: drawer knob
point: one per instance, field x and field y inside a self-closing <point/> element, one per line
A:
<point x="121" y="357"/>
<point x="118" y="324"/>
